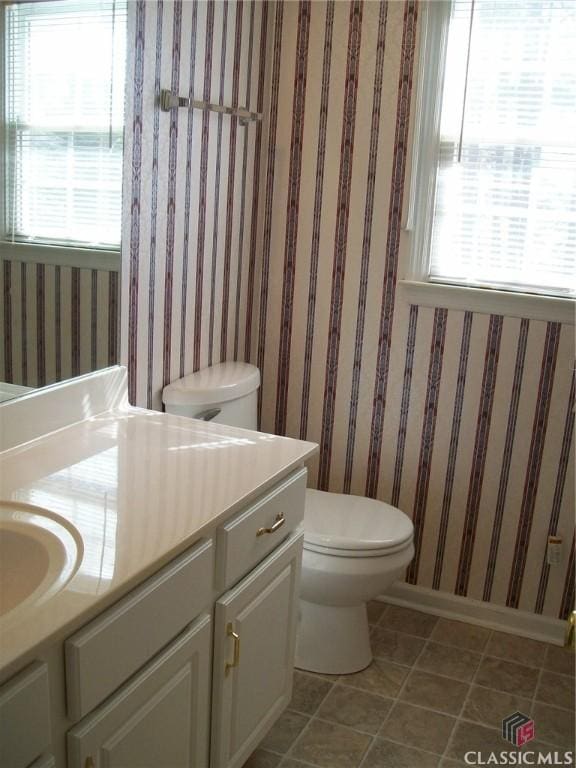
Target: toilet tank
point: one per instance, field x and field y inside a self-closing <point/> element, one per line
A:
<point x="226" y="393"/>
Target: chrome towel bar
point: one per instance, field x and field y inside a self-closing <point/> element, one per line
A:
<point x="169" y="100"/>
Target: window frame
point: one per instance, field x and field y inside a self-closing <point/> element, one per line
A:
<point x="415" y="285"/>
<point x="102" y="259"/>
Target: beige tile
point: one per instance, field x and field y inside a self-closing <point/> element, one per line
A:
<point x="375" y="610"/>
<point x="490" y="707"/>
<point x="262" y="759"/>
<point x="417" y="727"/>
<point x="519" y="649"/>
<point x="308" y="692"/>
<point x="460" y="634"/>
<point x="386" y="754"/>
<point x="452" y="662"/>
<point x="330" y="746"/>
<point x="560" y="660"/>
<point x="288" y="762"/>
<point x="435" y="692"/>
<point x="469" y="737"/>
<point x="409" y="621"/>
<point x="507" y="676"/>
<point x="554" y="726"/>
<point x="356" y="709"/>
<point x="394" y="646"/>
<point x="284" y="732"/>
<point x="381" y="677"/>
<point x="557" y="690"/>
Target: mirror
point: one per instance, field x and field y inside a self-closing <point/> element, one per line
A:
<point x="61" y="140"/>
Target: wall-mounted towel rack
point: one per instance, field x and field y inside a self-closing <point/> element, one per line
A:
<point x="169" y="100"/>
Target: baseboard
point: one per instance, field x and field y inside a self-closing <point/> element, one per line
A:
<point x="488" y="615"/>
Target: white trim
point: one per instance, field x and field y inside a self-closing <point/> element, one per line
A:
<point x="482" y="614"/>
<point x="487" y="301"/>
<point x="85" y="258"/>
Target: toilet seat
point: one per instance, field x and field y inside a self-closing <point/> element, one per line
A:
<point x="353" y="526"/>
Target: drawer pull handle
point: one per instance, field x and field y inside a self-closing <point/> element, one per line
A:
<point x="280" y="520"/>
<point x="236" y="659"/>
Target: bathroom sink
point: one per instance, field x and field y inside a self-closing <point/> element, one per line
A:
<point x="39" y="554"/>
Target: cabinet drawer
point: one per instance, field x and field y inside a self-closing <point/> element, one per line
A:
<point x="25" y="717"/>
<point x="239" y="545"/>
<point x="104" y="653"/>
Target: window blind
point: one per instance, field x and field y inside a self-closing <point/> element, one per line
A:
<point x="64" y="112"/>
<point x="505" y="199"/>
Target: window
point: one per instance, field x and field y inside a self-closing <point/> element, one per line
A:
<point x="494" y="199"/>
<point x="63" y="122"/>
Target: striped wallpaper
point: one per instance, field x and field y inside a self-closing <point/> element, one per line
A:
<point x="56" y="322"/>
<point x="190" y="235"/>
<point x="281" y="244"/>
<point x="465" y="421"/>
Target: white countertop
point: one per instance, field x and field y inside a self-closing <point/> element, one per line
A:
<point x="140" y="487"/>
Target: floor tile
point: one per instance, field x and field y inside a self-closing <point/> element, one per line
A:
<point x="409" y="621"/>
<point x="507" y="676"/>
<point x="356" y="709"/>
<point x="417" y="727"/>
<point x="553" y="725"/>
<point x="557" y="690"/>
<point x="375" y="610"/>
<point x="435" y="692"/>
<point x="560" y="660"/>
<point x="460" y="634"/>
<point x="381" y="677"/>
<point x="490" y="707"/>
<point x="386" y="754"/>
<point x="469" y="737"/>
<point x="394" y="646"/>
<point x="263" y="759"/>
<point x="330" y="746"/>
<point x="522" y="650"/>
<point x="452" y="662"/>
<point x="308" y="692"/>
<point x="288" y="762"/>
<point x="284" y="732"/>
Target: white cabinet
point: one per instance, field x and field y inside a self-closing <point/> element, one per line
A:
<point x="160" y="718"/>
<point x="254" y="635"/>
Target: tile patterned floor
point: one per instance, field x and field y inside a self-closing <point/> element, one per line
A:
<point x="436" y="689"/>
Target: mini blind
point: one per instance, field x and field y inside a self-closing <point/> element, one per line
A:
<point x="64" y="112"/>
<point x="505" y="199"/>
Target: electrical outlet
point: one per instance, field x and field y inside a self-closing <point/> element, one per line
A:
<point x="554" y="550"/>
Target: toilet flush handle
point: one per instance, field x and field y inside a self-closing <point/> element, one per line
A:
<point x="280" y="520"/>
<point x="208" y="415"/>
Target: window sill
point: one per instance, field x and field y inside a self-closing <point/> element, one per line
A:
<point x="60" y="256"/>
<point x="486" y="301"/>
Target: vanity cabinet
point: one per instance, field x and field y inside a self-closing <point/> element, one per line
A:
<point x="254" y="635"/>
<point x="191" y="668"/>
<point x="159" y="718"/>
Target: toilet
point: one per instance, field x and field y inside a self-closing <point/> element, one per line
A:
<point x="354" y="547"/>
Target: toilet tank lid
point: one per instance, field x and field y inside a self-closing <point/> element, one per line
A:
<point x="216" y="384"/>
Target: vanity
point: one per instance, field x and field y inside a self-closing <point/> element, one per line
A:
<point x="164" y="636"/>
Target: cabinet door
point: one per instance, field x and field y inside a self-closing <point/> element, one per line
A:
<point x="157" y="720"/>
<point x="252" y="678"/>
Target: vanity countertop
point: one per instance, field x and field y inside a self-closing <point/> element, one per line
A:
<point x="139" y="486"/>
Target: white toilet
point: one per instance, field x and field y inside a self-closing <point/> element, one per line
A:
<point x="354" y="547"/>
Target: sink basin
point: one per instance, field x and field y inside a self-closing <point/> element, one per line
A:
<point x="39" y="553"/>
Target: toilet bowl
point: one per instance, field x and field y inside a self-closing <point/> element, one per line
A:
<point x="354" y="547"/>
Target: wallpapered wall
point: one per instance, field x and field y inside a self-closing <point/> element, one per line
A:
<point x="465" y="421"/>
<point x="56" y="322"/>
<point x="281" y="244"/>
<point x="190" y="198"/>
